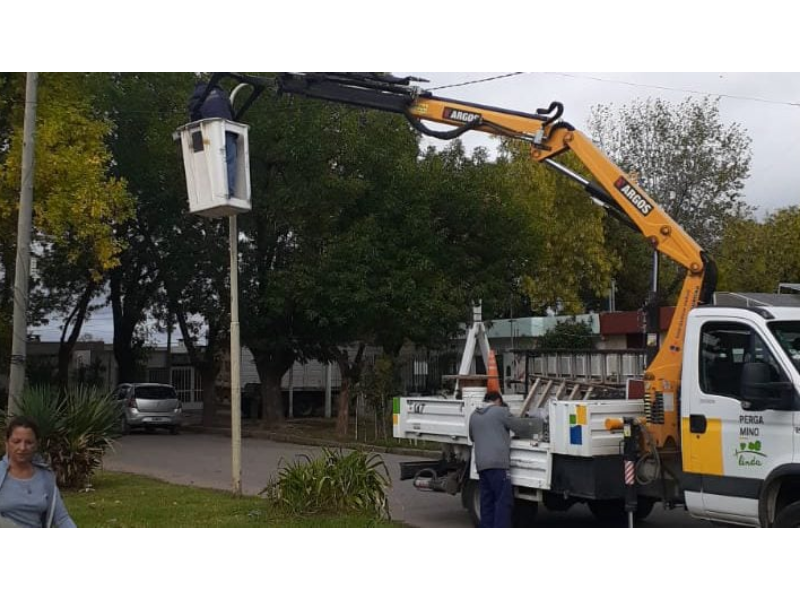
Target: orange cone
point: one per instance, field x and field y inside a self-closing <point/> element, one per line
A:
<point x="492" y="375"/>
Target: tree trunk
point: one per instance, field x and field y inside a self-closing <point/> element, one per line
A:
<point x="124" y="327"/>
<point x="67" y="345"/>
<point x="343" y="415"/>
<point x="351" y="375"/>
<point x="208" y="377"/>
<point x="271" y="399"/>
<point x="271" y="368"/>
<point x="126" y="364"/>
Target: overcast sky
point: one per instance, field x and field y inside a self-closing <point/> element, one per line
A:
<point x="765" y="104"/>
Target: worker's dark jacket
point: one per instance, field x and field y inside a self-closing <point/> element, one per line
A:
<point x="216" y="105"/>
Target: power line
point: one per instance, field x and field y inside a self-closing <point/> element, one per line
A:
<point x="474" y="81"/>
<point x="673" y="89"/>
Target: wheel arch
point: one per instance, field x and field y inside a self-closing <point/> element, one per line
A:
<point x="780" y="488"/>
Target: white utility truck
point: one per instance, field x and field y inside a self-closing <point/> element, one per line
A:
<point x="739" y="459"/>
<point x="719" y="425"/>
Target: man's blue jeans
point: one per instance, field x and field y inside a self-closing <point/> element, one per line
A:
<point x="230" y="159"/>
<point x="497" y="498"/>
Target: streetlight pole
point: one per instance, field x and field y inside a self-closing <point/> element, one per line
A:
<point x="21" y="276"/>
<point x="236" y="365"/>
<point x="211" y="194"/>
<point x="236" y="345"/>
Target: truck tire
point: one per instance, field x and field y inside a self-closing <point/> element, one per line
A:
<point x="789" y="516"/>
<point x="525" y="513"/>
<point x="612" y="512"/>
<point x="471" y="499"/>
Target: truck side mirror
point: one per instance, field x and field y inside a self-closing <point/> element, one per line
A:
<point x="759" y="391"/>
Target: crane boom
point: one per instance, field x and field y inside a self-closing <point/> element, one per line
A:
<point x="549" y="137"/>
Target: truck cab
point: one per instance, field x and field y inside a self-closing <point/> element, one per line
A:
<point x="740" y="415"/>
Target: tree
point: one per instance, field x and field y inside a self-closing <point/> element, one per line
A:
<point x="688" y="161"/>
<point x="683" y="156"/>
<point x="569" y="334"/>
<point x="78" y="204"/>
<point x="573" y="261"/>
<point x="742" y="258"/>
<point x="166" y="249"/>
<point x="756" y="257"/>
<point x="432" y="235"/>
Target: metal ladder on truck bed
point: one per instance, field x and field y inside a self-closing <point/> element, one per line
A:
<point x="544" y="389"/>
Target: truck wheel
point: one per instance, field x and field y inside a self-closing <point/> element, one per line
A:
<point x="608" y="512"/>
<point x="644" y="506"/>
<point x="471" y="499"/>
<point x="613" y="512"/>
<point x="525" y="513"/>
<point x="789" y="516"/>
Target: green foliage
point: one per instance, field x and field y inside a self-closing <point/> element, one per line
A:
<point x="124" y="500"/>
<point x="78" y="204"/>
<point x="165" y="247"/>
<point x="569" y="334"/>
<point x="379" y="384"/>
<point x="337" y="481"/>
<point x="571" y="261"/>
<point x="690" y="162"/>
<point x="756" y="257"/>
<point x="75" y="429"/>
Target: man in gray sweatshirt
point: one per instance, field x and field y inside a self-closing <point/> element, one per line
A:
<point x="489" y="430"/>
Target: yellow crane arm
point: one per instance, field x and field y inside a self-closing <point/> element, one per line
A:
<point x="548" y="138"/>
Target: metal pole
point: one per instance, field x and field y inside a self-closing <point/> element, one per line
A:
<point x="653" y="328"/>
<point x="629" y="433"/>
<point x="236" y="367"/>
<point x="21" y="275"/>
<point x="236" y="347"/>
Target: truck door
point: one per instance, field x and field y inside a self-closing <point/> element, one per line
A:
<point x="787" y="334"/>
<point x="729" y="449"/>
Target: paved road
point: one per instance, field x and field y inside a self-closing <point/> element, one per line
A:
<point x="204" y="460"/>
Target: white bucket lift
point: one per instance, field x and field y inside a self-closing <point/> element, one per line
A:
<point x="203" y="148"/>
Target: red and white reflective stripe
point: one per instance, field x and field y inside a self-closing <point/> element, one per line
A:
<point x="629" y="478"/>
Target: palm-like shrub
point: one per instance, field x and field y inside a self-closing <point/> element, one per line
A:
<point x="351" y="482"/>
<point x="75" y="428"/>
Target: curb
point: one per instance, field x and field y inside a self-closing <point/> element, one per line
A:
<point x="297" y="439"/>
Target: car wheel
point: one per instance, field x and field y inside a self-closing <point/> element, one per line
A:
<point x="174" y="430"/>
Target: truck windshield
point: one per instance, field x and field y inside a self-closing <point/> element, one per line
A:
<point x="788" y="335"/>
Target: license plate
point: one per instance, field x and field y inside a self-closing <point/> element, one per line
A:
<point x="156" y="420"/>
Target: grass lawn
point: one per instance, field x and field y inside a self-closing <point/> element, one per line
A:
<point x="123" y="500"/>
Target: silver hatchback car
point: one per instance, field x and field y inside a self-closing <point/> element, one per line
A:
<point x="149" y="405"/>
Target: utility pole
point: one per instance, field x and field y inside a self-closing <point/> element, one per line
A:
<point x="22" y="273"/>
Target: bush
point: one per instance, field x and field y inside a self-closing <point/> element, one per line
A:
<point x="569" y="334"/>
<point x="352" y="482"/>
<point x="75" y="429"/>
